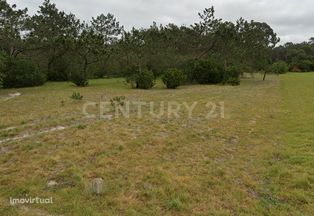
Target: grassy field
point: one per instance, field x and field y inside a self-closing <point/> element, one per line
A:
<point x="257" y="160"/>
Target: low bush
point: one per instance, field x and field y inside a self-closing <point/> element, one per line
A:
<point x="306" y="65"/>
<point x="232" y="76"/>
<point x="79" y="79"/>
<point x="117" y="101"/>
<point x="233" y="81"/>
<point x="188" y="70"/>
<point x="143" y="79"/>
<point x="205" y="72"/>
<point x="132" y="80"/>
<point x="279" y="67"/>
<point x="77" y="76"/>
<point x="76" y="96"/>
<point x="173" y="78"/>
<point x="19" y="73"/>
<point x="131" y="70"/>
<point x="59" y="70"/>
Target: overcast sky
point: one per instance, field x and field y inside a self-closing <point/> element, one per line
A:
<point x="293" y="20"/>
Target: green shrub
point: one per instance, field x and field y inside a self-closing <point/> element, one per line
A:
<point x="77" y="75"/>
<point x="206" y="72"/>
<point x="76" y="96"/>
<point x="232" y="76"/>
<point x="145" y="79"/>
<point x="117" y="101"/>
<point x="79" y="79"/>
<point x="141" y="79"/>
<point x="100" y="73"/>
<point x="305" y="65"/>
<point x="19" y="73"/>
<point x="173" y="78"/>
<point x="132" y="80"/>
<point x="131" y="70"/>
<point x="131" y="74"/>
<point x="59" y="70"/>
<point x="279" y="67"/>
<point x="174" y="204"/>
<point x="188" y="69"/>
<point x="302" y="66"/>
<point x="233" y="81"/>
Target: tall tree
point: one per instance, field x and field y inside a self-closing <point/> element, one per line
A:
<point x="207" y="29"/>
<point x="90" y="47"/>
<point x="12" y="25"/>
<point x="52" y="32"/>
<point x="257" y="42"/>
<point x="132" y="44"/>
<point x="107" y="27"/>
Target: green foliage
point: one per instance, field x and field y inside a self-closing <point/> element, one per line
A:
<point x="173" y="78"/>
<point x="232" y="76"/>
<point x="233" y="81"/>
<point x="76" y="74"/>
<point x="59" y="70"/>
<point x="206" y="72"/>
<point x="174" y="204"/>
<point x="302" y="65"/>
<point x="19" y="73"/>
<point x="132" y="80"/>
<point x="131" y="70"/>
<point x="76" y="96"/>
<point x="299" y="57"/>
<point x="52" y="34"/>
<point x="79" y="79"/>
<point x="81" y="126"/>
<point x="3" y="58"/>
<point x="211" y="72"/>
<point x="143" y="79"/>
<point x="131" y="74"/>
<point x="117" y="101"/>
<point x="12" y="25"/>
<point x="279" y="67"/>
<point x="107" y="26"/>
<point x="101" y="47"/>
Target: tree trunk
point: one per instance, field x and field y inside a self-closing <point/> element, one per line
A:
<point x="85" y="65"/>
<point x="264" y="76"/>
<point x="50" y="62"/>
<point x="225" y="71"/>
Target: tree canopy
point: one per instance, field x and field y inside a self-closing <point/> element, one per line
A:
<point x="59" y="43"/>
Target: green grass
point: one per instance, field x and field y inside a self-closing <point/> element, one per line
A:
<point x="258" y="160"/>
<point x="291" y="174"/>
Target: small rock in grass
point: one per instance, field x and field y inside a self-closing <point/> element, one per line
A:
<point x="97" y="186"/>
<point x="52" y="184"/>
<point x="15" y="94"/>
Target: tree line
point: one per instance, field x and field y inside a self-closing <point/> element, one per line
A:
<point x="299" y="57"/>
<point x="56" y="46"/>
